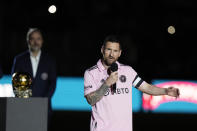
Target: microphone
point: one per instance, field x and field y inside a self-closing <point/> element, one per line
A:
<point x="113" y="68"/>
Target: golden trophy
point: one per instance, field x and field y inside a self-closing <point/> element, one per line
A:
<point x="21" y="83"/>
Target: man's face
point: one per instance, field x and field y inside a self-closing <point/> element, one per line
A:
<point x="35" y="41"/>
<point x="111" y="52"/>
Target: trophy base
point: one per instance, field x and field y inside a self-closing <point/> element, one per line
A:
<point x="23" y="94"/>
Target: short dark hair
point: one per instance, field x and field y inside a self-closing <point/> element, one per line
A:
<point x="30" y="31"/>
<point x="112" y="38"/>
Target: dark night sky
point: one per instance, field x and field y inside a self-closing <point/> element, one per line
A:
<point x="74" y="35"/>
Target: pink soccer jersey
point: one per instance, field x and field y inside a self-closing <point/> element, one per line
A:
<point x="114" y="111"/>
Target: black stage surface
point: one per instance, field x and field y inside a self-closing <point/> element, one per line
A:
<point x="75" y="121"/>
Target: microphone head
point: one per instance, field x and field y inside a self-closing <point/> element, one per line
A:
<point x="114" y="67"/>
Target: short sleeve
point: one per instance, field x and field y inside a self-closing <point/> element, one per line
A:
<point x="89" y="83"/>
<point x="137" y="81"/>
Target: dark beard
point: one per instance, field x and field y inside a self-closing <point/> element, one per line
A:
<point x="106" y="63"/>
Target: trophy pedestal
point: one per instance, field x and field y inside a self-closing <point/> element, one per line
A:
<point x="21" y="114"/>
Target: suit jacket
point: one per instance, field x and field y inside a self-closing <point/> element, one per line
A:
<point x="44" y="83"/>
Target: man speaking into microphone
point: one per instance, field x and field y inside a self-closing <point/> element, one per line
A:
<point x="107" y="88"/>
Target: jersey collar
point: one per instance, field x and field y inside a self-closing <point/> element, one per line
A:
<point x="102" y="68"/>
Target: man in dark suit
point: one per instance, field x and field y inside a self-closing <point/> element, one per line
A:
<point x="39" y="65"/>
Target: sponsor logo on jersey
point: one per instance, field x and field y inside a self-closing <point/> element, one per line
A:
<point x="118" y="91"/>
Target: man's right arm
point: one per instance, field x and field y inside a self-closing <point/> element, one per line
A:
<point x="97" y="95"/>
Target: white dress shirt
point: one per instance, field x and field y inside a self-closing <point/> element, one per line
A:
<point x="35" y="62"/>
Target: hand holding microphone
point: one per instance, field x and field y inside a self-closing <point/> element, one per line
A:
<point x="113" y="76"/>
<point x="112" y="79"/>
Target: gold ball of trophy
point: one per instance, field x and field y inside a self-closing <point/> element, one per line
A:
<point x="21" y="83"/>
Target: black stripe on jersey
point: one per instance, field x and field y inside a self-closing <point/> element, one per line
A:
<point x="95" y="125"/>
<point x="135" y="78"/>
<point x="92" y="68"/>
<point x="123" y="65"/>
<point x="138" y="84"/>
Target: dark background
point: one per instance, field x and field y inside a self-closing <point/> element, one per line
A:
<point x="74" y="35"/>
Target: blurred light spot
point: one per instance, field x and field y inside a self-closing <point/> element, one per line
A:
<point x="52" y="9"/>
<point x="171" y="30"/>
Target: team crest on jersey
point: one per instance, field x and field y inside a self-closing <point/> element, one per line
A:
<point x="122" y="78"/>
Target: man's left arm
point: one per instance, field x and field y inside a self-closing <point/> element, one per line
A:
<point x="153" y="90"/>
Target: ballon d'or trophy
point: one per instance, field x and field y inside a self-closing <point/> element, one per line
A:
<point x="21" y="83"/>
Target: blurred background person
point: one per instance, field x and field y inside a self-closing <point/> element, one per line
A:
<point x="39" y="65"/>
